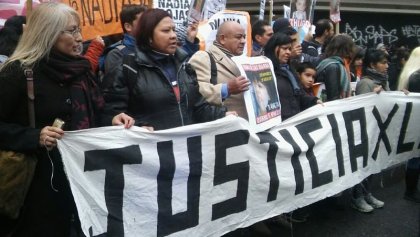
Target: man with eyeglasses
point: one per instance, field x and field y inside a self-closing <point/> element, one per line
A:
<point x="227" y="86"/>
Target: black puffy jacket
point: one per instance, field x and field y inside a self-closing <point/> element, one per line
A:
<point x="142" y="91"/>
<point x="291" y="104"/>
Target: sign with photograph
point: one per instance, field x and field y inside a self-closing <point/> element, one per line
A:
<point x="301" y="16"/>
<point x="262" y="99"/>
<point x="335" y="11"/>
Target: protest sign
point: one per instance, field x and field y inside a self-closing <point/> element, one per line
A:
<point x="335" y="11"/>
<point x="262" y="10"/>
<point x="211" y="178"/>
<point x="207" y="30"/>
<point x="262" y="99"/>
<point x="100" y="17"/>
<point x="177" y="8"/>
<point x="301" y="16"/>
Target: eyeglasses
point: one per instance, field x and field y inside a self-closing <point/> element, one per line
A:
<point x="73" y="32"/>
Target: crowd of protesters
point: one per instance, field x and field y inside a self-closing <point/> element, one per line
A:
<point x="178" y="85"/>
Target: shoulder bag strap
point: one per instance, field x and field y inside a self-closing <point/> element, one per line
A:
<point x="213" y="70"/>
<point x="29" y="74"/>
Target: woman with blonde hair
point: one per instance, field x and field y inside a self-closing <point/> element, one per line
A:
<point x="64" y="88"/>
<point x="410" y="80"/>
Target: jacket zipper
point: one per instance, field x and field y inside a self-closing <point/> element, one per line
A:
<point x="177" y="74"/>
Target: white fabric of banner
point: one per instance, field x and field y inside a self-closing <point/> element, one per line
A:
<point x="211" y="178"/>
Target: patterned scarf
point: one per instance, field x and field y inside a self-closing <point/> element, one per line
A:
<point x="292" y="79"/>
<point x="87" y="100"/>
<point x="223" y="49"/>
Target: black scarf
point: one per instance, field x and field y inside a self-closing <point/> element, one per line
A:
<point x="87" y="100"/>
<point x="377" y="77"/>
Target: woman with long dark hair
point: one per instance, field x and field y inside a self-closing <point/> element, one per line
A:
<point x="293" y="99"/>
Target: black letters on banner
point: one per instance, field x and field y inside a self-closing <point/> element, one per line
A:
<point x="224" y="173"/>
<point x="404" y="147"/>
<point x="338" y="146"/>
<point x="112" y="161"/>
<point x="169" y="223"/>
<point x="266" y="137"/>
<point x="297" y="167"/>
<point x="318" y="179"/>
<point x="382" y="130"/>
<point x="361" y="149"/>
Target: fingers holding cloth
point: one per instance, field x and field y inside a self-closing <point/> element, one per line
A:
<point x="49" y="135"/>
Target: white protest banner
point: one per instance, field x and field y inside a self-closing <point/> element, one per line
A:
<point x="208" y="179"/>
<point x="262" y="99"/>
<point x="207" y="30"/>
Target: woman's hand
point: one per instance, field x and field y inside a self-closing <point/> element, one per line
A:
<point x="377" y="89"/>
<point x="231" y="113"/>
<point x="149" y="128"/>
<point x="320" y="102"/>
<point x="49" y="135"/>
<point x="406" y="92"/>
<point x="123" y="119"/>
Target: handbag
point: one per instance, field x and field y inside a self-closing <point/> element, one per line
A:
<point x="17" y="169"/>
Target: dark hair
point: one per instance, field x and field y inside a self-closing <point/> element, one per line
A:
<point x="359" y="53"/>
<point x="16" y="23"/>
<point x="281" y="25"/>
<point x="374" y="56"/>
<point x="258" y="28"/>
<point x="301" y="67"/>
<point x="10" y="34"/>
<point x="129" y="12"/>
<point x="8" y="41"/>
<point x="340" y="45"/>
<point x="145" y="28"/>
<point x="277" y="39"/>
<point x="321" y="26"/>
<point x="288" y="31"/>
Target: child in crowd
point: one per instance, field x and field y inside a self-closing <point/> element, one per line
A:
<point x="306" y="72"/>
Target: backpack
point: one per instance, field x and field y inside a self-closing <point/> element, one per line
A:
<point x="101" y="67"/>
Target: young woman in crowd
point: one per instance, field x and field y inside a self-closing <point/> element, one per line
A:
<point x="292" y="98"/>
<point x="63" y="88"/>
<point x="157" y="86"/>
<point x="334" y="71"/>
<point x="410" y="80"/>
<point x="374" y="79"/>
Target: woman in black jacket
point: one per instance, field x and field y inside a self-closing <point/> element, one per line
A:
<point x="64" y="88"/>
<point x="293" y="99"/>
<point x="157" y="87"/>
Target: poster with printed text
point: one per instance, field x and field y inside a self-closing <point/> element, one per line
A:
<point x="178" y="9"/>
<point x="262" y="99"/>
<point x="207" y="29"/>
<point x="301" y="16"/>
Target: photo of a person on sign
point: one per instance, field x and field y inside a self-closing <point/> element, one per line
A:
<point x="299" y="10"/>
